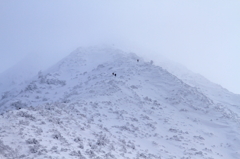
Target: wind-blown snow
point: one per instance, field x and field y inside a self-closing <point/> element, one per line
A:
<point x="78" y="109"/>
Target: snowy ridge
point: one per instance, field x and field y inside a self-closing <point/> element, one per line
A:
<point x="78" y="109"/>
<point x="19" y="74"/>
<point x="216" y="92"/>
<point x="226" y="101"/>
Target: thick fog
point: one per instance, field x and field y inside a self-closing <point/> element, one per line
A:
<point x="202" y="35"/>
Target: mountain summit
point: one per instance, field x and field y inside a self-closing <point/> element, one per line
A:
<point x="103" y="103"/>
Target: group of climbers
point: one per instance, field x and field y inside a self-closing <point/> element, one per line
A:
<point x="114" y="74"/>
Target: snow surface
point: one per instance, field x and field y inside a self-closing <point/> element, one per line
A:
<point x="78" y="109"/>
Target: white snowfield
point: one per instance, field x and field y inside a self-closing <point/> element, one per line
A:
<point x="79" y="109"/>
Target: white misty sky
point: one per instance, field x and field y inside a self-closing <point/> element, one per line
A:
<point x="203" y="35"/>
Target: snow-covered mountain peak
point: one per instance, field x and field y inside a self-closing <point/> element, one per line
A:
<point x="87" y="59"/>
<point x="103" y="103"/>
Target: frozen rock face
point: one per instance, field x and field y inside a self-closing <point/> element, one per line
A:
<point x="79" y="109"/>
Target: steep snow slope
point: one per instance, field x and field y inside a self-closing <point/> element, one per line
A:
<point x="225" y="100"/>
<point x="78" y="109"/>
<point x="216" y="92"/>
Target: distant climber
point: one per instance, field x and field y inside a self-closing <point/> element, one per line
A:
<point x="114" y="74"/>
<point x="137" y="60"/>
